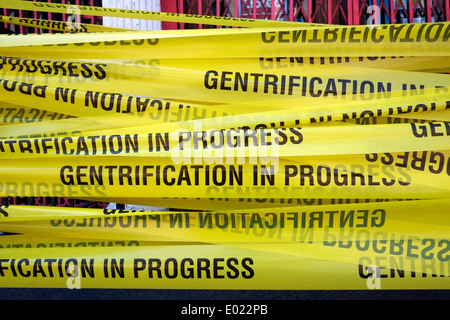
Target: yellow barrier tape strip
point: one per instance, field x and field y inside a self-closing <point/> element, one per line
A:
<point x="203" y="267"/>
<point x="333" y="234"/>
<point x="27" y="122"/>
<point x="14" y="114"/>
<point x="398" y="216"/>
<point x="143" y="113"/>
<point x="316" y="226"/>
<point x="29" y="241"/>
<point x="59" y="25"/>
<point x="426" y="39"/>
<point x="403" y="175"/>
<point x="422" y="64"/>
<point x="174" y="115"/>
<point x="224" y="145"/>
<point x="147" y="15"/>
<point x="443" y="115"/>
<point x="128" y="88"/>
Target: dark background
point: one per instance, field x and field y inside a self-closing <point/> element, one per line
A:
<point x="192" y="295"/>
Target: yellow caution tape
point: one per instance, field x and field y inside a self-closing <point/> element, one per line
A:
<point x="230" y="145"/>
<point x="132" y="88"/>
<point x="315" y="157"/>
<point x="426" y="39"/>
<point x="402" y="175"/>
<point x="397" y="239"/>
<point x="423" y="64"/>
<point x="147" y="15"/>
<point x="175" y="115"/>
<point x="200" y="267"/>
<point x="29" y="241"/>
<point x="14" y="114"/>
<point x="236" y="226"/>
<point x="58" y="25"/>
